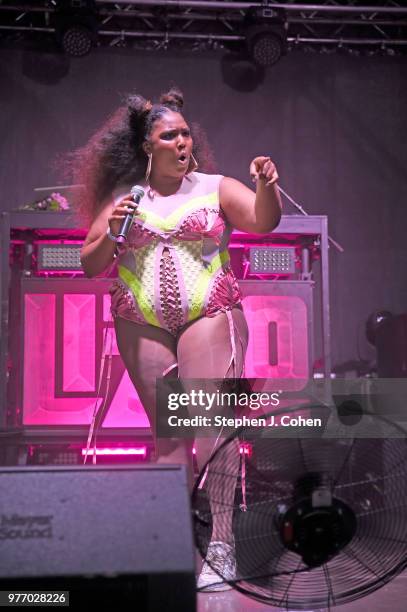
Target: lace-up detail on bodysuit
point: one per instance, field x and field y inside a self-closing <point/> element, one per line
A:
<point x="169" y="293"/>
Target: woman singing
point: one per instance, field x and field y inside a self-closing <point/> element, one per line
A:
<point x="176" y="302"/>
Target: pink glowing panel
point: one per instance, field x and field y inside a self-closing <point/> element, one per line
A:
<point x="40" y="406"/>
<point x="61" y="365"/>
<point x="107" y="315"/>
<point x="278" y="337"/>
<point x="79" y="342"/>
<point x="141" y="451"/>
<point x="126" y="406"/>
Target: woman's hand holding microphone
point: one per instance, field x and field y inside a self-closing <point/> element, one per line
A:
<point x="119" y="213"/>
<point x="121" y="219"/>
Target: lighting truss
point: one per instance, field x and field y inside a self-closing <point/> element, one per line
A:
<point x="197" y="25"/>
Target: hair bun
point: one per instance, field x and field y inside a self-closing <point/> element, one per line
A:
<point x="137" y="105"/>
<point x="173" y="98"/>
<point x="138" y="109"/>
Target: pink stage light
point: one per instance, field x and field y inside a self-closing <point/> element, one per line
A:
<point x="139" y="451"/>
<point x="245" y="449"/>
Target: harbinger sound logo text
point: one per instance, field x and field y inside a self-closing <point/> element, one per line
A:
<point x="18" y="527"/>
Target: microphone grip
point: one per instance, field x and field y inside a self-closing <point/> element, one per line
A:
<point x="137" y="193"/>
<point x="125" y="228"/>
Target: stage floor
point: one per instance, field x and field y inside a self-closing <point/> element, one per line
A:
<point x="392" y="597"/>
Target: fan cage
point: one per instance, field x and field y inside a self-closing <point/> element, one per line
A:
<point x="367" y="474"/>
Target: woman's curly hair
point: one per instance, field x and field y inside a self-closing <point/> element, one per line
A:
<point x="114" y="154"/>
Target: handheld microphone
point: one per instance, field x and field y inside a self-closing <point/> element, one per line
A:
<point x="137" y="193"/>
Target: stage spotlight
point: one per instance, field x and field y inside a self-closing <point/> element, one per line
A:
<point x="265" y="49"/>
<point x="266" y="44"/>
<point x="77" y="41"/>
<point x="76" y="26"/>
<point x="266" y="37"/>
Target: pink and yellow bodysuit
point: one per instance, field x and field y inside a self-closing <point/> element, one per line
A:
<point x="175" y="268"/>
<point x="175" y="265"/>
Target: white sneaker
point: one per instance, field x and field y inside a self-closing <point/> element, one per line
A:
<point x="220" y="557"/>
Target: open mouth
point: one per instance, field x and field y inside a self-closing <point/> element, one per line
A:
<point x="183" y="158"/>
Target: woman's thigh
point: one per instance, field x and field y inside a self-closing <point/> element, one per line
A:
<point x="204" y="352"/>
<point x="204" y="348"/>
<point x="147" y="351"/>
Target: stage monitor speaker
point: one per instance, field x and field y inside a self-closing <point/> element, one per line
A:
<point x="64" y="322"/>
<point x="108" y="535"/>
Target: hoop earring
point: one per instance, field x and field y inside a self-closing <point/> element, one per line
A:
<point x="148" y="169"/>
<point x="193" y="165"/>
